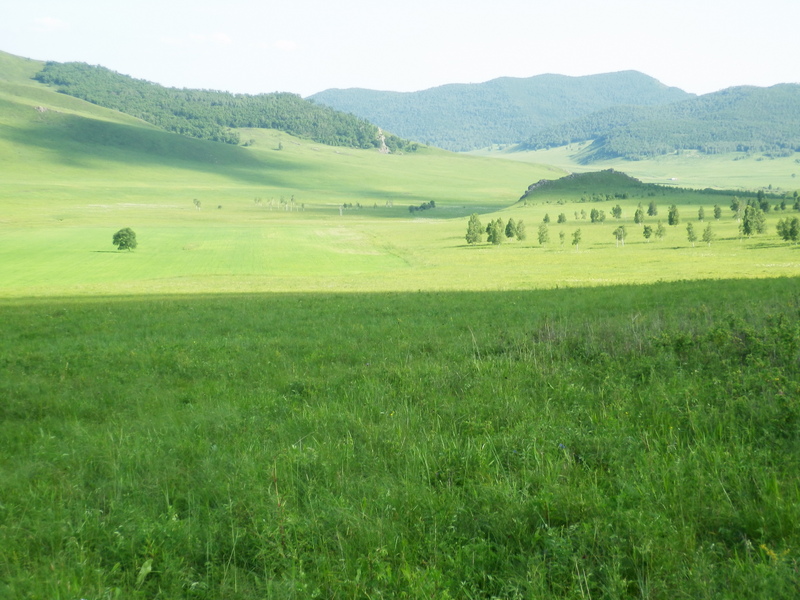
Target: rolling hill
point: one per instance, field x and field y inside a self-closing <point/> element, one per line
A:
<point x="507" y="110"/>
<point x="214" y="115"/>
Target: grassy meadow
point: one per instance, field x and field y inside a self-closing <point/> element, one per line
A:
<point x="275" y="396"/>
<point x="617" y="442"/>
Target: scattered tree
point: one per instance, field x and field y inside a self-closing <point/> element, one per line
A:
<point x="546" y="218"/>
<point x="511" y="228"/>
<point x="562" y="218"/>
<point x="619" y="234"/>
<point x="474" y="230"/>
<point x="673" y="217"/>
<point x="661" y="231"/>
<point x="522" y="235"/>
<point x="752" y="222"/>
<point x="496" y="232"/>
<point x="737" y="206"/>
<point x="717" y="212"/>
<point x="638" y="216"/>
<point x="544" y="234"/>
<point x="196" y="203"/>
<point x="561" y="237"/>
<point x="576" y="238"/>
<point x="690" y="234"/>
<point x="701" y="214"/>
<point x="789" y="229"/>
<point x="647" y="232"/>
<point x="652" y="209"/>
<point x="708" y="235"/>
<point x="125" y="239"/>
<point x="616" y="212"/>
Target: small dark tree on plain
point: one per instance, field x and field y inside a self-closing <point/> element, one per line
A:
<point x="690" y="234"/>
<point x="661" y="231"/>
<point x="546" y="218"/>
<point x="652" y="209"/>
<point x="638" y="216"/>
<point x="562" y="218"/>
<point x="717" y="212"/>
<point x="125" y="239"/>
<point x="616" y="212"/>
<point x="647" y="232"/>
<point x="196" y="203"/>
<point x="561" y="237"/>
<point x="701" y="214"/>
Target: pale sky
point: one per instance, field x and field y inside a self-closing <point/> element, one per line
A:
<point x="306" y="46"/>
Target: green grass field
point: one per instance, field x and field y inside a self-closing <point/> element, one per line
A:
<point x="355" y="403"/>
<point x="619" y="442"/>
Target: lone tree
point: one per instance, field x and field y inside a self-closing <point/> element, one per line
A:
<point x="125" y="239"/>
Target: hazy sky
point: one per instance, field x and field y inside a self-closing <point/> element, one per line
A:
<point x="306" y="46"/>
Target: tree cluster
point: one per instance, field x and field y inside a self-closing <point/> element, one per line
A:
<point x="495" y="231"/>
<point x="423" y="206"/>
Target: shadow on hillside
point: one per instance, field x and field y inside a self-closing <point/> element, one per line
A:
<point x="84" y="143"/>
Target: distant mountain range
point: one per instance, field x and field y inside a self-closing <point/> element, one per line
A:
<point x="508" y="110"/>
<point x="625" y="115"/>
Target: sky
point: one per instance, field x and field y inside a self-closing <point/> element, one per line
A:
<point x="306" y="46"/>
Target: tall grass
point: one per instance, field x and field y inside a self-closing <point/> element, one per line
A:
<point x="622" y="442"/>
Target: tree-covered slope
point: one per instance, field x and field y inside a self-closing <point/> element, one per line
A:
<point x="213" y="115"/>
<point x="739" y="119"/>
<point x="506" y="110"/>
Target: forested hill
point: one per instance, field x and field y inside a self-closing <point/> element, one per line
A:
<point x="502" y="111"/>
<point x="212" y="115"/>
<point x="739" y="119"/>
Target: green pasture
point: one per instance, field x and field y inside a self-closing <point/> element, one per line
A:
<point x="617" y="442"/>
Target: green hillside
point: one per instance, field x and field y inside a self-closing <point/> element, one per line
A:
<point x="507" y="110"/>
<point x="211" y="115"/>
<point x="743" y="119"/>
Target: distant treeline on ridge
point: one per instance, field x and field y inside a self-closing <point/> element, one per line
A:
<point x="214" y="115"/>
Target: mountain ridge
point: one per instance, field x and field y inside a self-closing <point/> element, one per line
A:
<point x="460" y="116"/>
